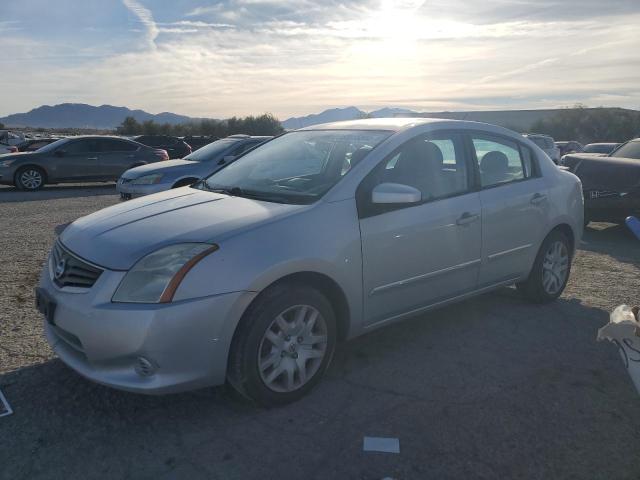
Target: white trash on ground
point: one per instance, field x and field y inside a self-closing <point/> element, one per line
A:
<point x="623" y="329"/>
<point x="381" y="444"/>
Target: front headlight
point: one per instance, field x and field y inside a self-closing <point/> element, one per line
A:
<point x="7" y="163"/>
<point x="156" y="277"/>
<point x="148" y="179"/>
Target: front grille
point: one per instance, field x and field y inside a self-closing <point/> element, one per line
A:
<point x="69" y="271"/>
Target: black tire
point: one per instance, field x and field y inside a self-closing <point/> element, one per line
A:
<point x="243" y="372"/>
<point x="185" y="182"/>
<point x="533" y="288"/>
<point x="26" y="178"/>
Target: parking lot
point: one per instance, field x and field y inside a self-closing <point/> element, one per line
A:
<point x="493" y="387"/>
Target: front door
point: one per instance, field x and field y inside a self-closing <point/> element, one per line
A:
<point x="78" y="160"/>
<point x="420" y="254"/>
<point x="514" y="207"/>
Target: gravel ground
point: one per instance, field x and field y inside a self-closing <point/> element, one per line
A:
<point x="490" y="388"/>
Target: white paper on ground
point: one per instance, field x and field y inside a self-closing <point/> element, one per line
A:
<point x="623" y="329"/>
<point x="5" y="408"/>
<point x="381" y="444"/>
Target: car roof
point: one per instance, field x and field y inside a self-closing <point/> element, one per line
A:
<point x="394" y="124"/>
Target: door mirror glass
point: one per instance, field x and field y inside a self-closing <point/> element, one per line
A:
<point x="388" y="193"/>
<point x="228" y="158"/>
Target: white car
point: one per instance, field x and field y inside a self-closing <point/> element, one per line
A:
<point x="9" y="141"/>
<point x="254" y="274"/>
<point x="547" y="144"/>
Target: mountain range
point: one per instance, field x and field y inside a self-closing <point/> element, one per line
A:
<point x="80" y="115"/>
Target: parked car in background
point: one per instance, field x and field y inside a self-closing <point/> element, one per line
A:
<point x="546" y="143"/>
<point x="9" y="141"/>
<point x="611" y="183"/>
<point x="175" y="147"/>
<point x="600" y="148"/>
<point x="148" y="179"/>
<point x="76" y="159"/>
<point x="569" y="147"/>
<point x="4" y="148"/>
<point x="253" y="275"/>
<point x="198" y="141"/>
<point x="33" y="144"/>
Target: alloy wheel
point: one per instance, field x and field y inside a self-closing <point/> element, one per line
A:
<point x="292" y="348"/>
<point x="31" y="179"/>
<point x="555" y="267"/>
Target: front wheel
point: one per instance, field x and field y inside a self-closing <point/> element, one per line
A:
<point x="29" y="178"/>
<point x="550" y="272"/>
<point x="283" y="345"/>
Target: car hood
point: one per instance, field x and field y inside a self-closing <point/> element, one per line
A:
<point x="16" y="155"/>
<point x="118" y="236"/>
<point x="607" y="173"/>
<point x="164" y="166"/>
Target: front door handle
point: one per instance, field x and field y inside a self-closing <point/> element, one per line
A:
<point x="538" y="198"/>
<point x="92" y="158"/>
<point x="466" y="218"/>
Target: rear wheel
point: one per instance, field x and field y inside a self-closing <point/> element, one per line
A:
<point x="29" y="178"/>
<point x="283" y="345"/>
<point x="551" y="269"/>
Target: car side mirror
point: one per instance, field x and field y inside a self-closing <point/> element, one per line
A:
<point x="60" y="153"/>
<point x="226" y="159"/>
<point x="388" y="193"/>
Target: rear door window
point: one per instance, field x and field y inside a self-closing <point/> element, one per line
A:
<point x="87" y="145"/>
<point x="115" y="145"/>
<point x="501" y="160"/>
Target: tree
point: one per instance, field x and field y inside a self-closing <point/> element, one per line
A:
<point x="129" y="126"/>
<point x="588" y="125"/>
<point x="266" y="124"/>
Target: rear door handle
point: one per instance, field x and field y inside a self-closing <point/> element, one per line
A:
<point x="467" y="218"/>
<point x="538" y="198"/>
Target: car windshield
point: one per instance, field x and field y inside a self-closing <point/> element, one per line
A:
<point x="628" y="150"/>
<point x="52" y="146"/>
<point x="211" y="151"/>
<point x="299" y="167"/>
<point x="598" y="148"/>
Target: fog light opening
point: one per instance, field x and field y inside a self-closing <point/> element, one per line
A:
<point x="145" y="367"/>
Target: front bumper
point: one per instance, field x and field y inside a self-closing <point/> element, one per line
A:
<point x="187" y="342"/>
<point x="129" y="190"/>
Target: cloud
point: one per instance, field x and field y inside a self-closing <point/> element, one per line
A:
<point x="146" y="18"/>
<point x="240" y="57"/>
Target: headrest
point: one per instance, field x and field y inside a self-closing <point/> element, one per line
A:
<point x="421" y="157"/>
<point x="358" y="155"/>
<point x="494" y="162"/>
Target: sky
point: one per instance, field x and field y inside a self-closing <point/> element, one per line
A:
<point x="295" y="57"/>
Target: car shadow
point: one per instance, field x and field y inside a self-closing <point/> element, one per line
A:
<point x="50" y="192"/>
<point x="466" y="379"/>
<point x="614" y="240"/>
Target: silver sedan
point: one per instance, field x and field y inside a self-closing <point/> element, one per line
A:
<point x="147" y="179"/>
<point x="323" y="234"/>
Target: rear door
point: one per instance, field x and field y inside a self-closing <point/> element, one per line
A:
<point x="420" y="254"/>
<point x="116" y="156"/>
<point x="78" y="160"/>
<point x="514" y="207"/>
